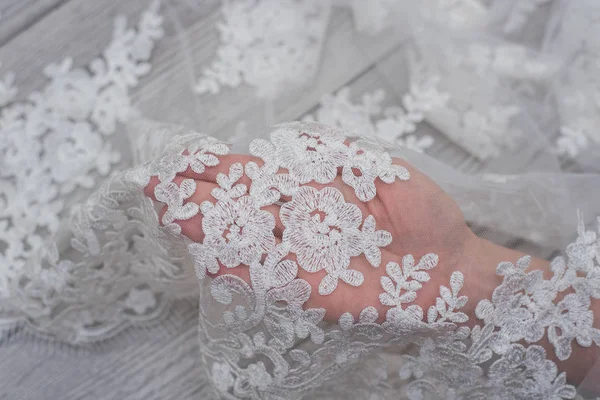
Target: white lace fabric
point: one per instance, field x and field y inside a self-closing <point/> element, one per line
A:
<point x="267" y="44"/>
<point x="81" y="272"/>
<point x="55" y="146"/>
<point x="263" y="343"/>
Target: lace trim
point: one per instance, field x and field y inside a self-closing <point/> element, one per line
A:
<point x="57" y="142"/>
<point x="485" y="131"/>
<point x="257" y="349"/>
<point x="394" y="125"/>
<point x="267" y="44"/>
<point x="578" y="94"/>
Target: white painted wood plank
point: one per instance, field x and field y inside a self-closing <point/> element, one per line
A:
<point x="18" y="15"/>
<point x="80" y="29"/>
<point x="138" y="364"/>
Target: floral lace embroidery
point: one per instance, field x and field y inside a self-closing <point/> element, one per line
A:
<point x="524" y="304"/>
<point x="313" y="152"/>
<point x="485" y="129"/>
<point x="52" y="144"/>
<point x="368" y="118"/>
<point x="324" y="241"/>
<point x="265" y="322"/>
<point x="320" y="227"/>
<point x="578" y="91"/>
<point x="511" y="61"/>
<point x="267" y="43"/>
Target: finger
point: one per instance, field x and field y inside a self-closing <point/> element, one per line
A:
<point x="192" y="228"/>
<point x="225" y="162"/>
<point x="149" y="189"/>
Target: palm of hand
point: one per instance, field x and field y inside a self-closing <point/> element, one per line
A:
<point x="421" y="218"/>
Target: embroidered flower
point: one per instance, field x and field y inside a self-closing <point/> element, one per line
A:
<point x="72" y="92"/>
<point x="367" y="163"/>
<point x="525" y="371"/>
<point x="140" y="300"/>
<point x="573" y="319"/>
<point x="373" y="240"/>
<point x="203" y="154"/>
<point x="267" y="44"/>
<point x="322" y="229"/>
<point x="257" y="376"/>
<point x="222" y="377"/>
<point x="237" y="232"/>
<point x="309" y="154"/>
<point x="77" y="150"/>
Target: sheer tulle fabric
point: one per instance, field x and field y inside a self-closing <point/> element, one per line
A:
<point x="476" y="84"/>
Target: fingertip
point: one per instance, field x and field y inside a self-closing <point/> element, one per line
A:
<point x="149" y="189"/>
<point x="161" y="213"/>
<point x="225" y="162"/>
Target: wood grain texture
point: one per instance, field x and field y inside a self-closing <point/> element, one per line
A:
<point x="153" y="363"/>
<point x="16" y="16"/>
<point x="79" y="29"/>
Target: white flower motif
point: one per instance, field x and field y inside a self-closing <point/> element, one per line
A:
<point x="522" y="306"/>
<point x="322" y="229"/>
<point x="73" y="92"/>
<point x="140" y="300"/>
<point x="373" y="240"/>
<point x="266" y="44"/>
<point x="222" y="377"/>
<point x="307" y="322"/>
<point x="536" y="374"/>
<point x="572" y="319"/>
<point x="309" y="152"/>
<point x="368" y="118"/>
<point x="236" y="232"/>
<point x="77" y="150"/>
<point x="257" y="376"/>
<point x="203" y="154"/>
<point x="112" y="106"/>
<point x="367" y="163"/>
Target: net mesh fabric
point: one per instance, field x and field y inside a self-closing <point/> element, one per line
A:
<point x="330" y="261"/>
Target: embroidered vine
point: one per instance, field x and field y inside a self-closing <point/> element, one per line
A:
<point x="323" y="232"/>
<point x="368" y="118"/>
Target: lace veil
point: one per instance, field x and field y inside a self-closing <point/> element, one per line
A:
<point x="497" y="102"/>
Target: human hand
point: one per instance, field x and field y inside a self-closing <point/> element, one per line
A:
<point x="422" y="221"/>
